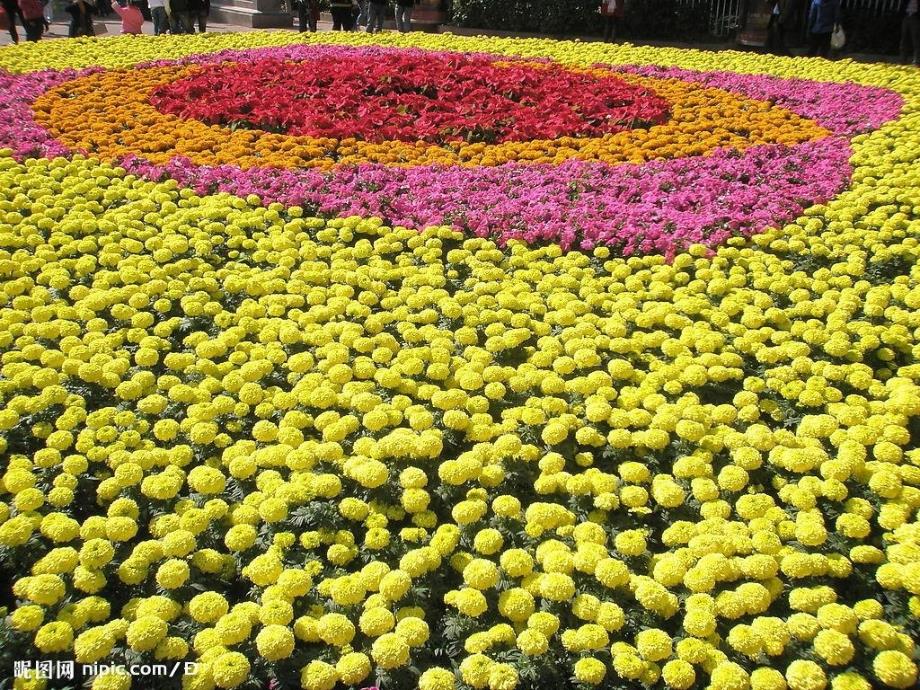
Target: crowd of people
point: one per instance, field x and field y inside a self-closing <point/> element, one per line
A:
<point x="356" y="15"/>
<point x="168" y="16"/>
<point x="823" y="20"/>
<point x="184" y="16"/>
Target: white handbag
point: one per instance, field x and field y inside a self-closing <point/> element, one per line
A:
<point x="838" y="38"/>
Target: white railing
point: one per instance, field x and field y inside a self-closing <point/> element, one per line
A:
<point x="724" y="15"/>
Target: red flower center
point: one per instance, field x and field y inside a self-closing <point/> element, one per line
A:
<point x="380" y="97"/>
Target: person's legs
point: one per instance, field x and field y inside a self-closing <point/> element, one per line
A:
<point x="160" y="20"/>
<point x="33" y="29"/>
<point x="381" y="15"/>
<point x="337" y="19"/>
<point x="372" y="10"/>
<point x="776" y="36"/>
<point x="202" y="22"/>
<point x="399" y="18"/>
<point x="362" y="15"/>
<point x="302" y="16"/>
<point x="781" y="47"/>
<point x="12" y="12"/>
<point x="86" y="27"/>
<point x="814" y="44"/>
<point x="821" y="46"/>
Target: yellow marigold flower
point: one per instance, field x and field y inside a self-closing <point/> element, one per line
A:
<point x="390" y="651"/>
<point x="335" y="629"/>
<point x="678" y="674"/>
<point x="589" y="670"/>
<point x="112" y="680"/>
<point x="146" y="633"/>
<point x="895" y="669"/>
<point x="805" y="675"/>
<point x="436" y="678"/>
<point x="834" y="647"/>
<point x="730" y="676"/>
<point x="54" y="637"/>
<point x="318" y="675"/>
<point x="767" y="679"/>
<point x="275" y="642"/>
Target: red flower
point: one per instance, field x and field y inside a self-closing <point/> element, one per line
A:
<point x="389" y="96"/>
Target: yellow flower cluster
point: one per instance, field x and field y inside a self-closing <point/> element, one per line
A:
<point x="357" y="454"/>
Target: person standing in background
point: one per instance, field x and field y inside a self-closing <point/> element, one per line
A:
<point x="180" y="21"/>
<point x="823" y="16"/>
<point x="910" y="32"/>
<point x="12" y="12"/>
<point x="81" y="19"/>
<point x="362" y="14"/>
<point x="377" y="10"/>
<point x="132" y="19"/>
<point x="612" y="12"/>
<point x="404" y="15"/>
<point x="198" y="11"/>
<point x="307" y="15"/>
<point x="341" y="15"/>
<point x="776" y="29"/>
<point x="159" y="17"/>
<point x="33" y="18"/>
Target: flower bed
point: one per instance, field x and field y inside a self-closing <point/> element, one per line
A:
<point x="581" y="189"/>
<point x="627" y="395"/>
<point x="396" y="96"/>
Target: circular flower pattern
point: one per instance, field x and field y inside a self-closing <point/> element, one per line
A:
<point x="332" y="453"/>
<point x="583" y="176"/>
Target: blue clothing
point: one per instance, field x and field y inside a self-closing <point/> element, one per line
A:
<point x="823" y="16"/>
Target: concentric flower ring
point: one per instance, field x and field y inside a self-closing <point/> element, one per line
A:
<point x="642" y="160"/>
